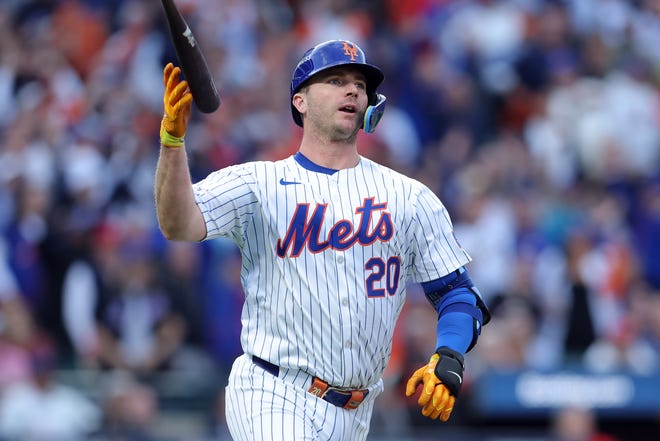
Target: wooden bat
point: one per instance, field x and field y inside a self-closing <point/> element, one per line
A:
<point x="192" y="61"/>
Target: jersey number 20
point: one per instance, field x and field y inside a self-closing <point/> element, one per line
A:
<point x="380" y="270"/>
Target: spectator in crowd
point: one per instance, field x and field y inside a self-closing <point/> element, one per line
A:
<point x="130" y="410"/>
<point x="577" y="424"/>
<point x="44" y="408"/>
<point x="17" y="328"/>
<point x="140" y="328"/>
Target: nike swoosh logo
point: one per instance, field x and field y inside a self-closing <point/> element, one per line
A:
<point x="460" y="379"/>
<point x="283" y="182"/>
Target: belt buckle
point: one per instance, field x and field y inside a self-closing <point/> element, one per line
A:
<point x="320" y="388"/>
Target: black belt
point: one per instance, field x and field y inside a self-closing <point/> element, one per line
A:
<point x="340" y="397"/>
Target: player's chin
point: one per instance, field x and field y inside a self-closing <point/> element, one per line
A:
<point x="345" y="133"/>
<point x="348" y="123"/>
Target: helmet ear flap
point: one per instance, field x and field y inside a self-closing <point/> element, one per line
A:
<point x="374" y="112"/>
<point x="373" y="98"/>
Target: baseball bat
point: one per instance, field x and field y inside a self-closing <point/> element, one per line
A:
<point x="192" y="61"/>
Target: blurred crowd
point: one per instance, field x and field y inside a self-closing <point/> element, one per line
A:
<point x="535" y="121"/>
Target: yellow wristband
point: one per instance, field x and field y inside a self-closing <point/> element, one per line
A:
<point x="168" y="140"/>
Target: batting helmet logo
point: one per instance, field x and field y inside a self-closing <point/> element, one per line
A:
<point x="350" y="50"/>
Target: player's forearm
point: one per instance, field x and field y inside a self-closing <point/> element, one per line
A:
<point x="179" y="216"/>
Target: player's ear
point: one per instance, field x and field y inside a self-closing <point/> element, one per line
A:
<point x="299" y="101"/>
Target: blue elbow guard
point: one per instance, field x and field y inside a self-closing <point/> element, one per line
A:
<point x="455" y="296"/>
<point x="436" y="290"/>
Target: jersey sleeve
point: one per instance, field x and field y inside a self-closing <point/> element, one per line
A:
<point x="226" y="200"/>
<point x="436" y="251"/>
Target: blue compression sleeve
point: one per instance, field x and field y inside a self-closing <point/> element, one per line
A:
<point x="456" y="329"/>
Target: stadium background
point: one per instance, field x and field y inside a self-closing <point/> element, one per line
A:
<point x="536" y="122"/>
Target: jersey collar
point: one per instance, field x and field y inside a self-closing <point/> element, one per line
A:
<point x="306" y="163"/>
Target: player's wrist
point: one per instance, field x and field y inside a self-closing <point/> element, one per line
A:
<point x="449" y="369"/>
<point x="169" y="140"/>
<point x="446" y="351"/>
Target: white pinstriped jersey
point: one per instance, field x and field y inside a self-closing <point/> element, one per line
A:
<point x="326" y="259"/>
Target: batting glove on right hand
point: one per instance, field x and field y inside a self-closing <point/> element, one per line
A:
<point x="177" y="101"/>
<point x="441" y="378"/>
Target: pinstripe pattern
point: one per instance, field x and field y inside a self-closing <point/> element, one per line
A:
<point x="310" y="308"/>
<point x="261" y="406"/>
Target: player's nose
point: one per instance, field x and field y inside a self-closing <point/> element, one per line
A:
<point x="352" y="89"/>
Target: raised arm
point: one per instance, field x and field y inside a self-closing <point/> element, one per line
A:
<point x="179" y="216"/>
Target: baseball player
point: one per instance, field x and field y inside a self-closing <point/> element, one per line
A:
<point x="329" y="240"/>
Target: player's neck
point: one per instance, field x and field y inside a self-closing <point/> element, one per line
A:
<point x="329" y="154"/>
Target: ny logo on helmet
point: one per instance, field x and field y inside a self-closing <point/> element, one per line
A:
<point x="350" y="51"/>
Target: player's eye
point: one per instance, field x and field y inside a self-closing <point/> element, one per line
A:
<point x="339" y="81"/>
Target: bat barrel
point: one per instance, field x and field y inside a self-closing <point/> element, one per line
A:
<point x="192" y="61"/>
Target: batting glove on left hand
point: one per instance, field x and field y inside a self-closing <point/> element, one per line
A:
<point x="441" y="379"/>
<point x="177" y="101"/>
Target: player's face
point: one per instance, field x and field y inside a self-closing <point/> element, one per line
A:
<point x="335" y="102"/>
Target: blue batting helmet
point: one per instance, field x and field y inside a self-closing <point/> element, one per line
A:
<point x="330" y="54"/>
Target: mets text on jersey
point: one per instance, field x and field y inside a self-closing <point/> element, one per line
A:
<point x="305" y="232"/>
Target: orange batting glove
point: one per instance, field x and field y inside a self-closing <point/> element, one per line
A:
<point x="177" y="101"/>
<point x="441" y="379"/>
